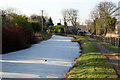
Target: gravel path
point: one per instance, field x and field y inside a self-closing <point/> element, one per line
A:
<point x="109" y="55"/>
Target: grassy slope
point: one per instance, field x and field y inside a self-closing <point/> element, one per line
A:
<point x="110" y="47"/>
<point x="91" y="64"/>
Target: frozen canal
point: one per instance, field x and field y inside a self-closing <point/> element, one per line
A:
<point x="59" y="52"/>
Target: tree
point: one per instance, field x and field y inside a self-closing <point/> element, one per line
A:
<point x="33" y="17"/>
<point x="37" y="21"/>
<point x="59" y="24"/>
<point x="102" y="15"/>
<point x="88" y="24"/>
<point x="56" y="29"/>
<point x="49" y="23"/>
<point x="70" y="16"/>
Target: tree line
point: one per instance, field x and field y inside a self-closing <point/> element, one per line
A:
<point x="18" y="31"/>
<point x="102" y="19"/>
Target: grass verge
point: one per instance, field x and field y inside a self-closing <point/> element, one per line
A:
<point x="110" y="47"/>
<point x="91" y="64"/>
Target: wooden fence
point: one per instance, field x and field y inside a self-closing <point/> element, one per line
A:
<point x="111" y="40"/>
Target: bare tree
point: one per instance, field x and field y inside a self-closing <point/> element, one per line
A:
<point x="70" y="16"/>
<point x="104" y="9"/>
<point x="88" y="23"/>
<point x="103" y="12"/>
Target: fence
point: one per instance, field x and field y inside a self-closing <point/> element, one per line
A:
<point x="111" y="40"/>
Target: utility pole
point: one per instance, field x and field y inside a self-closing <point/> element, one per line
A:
<point x="42" y="20"/>
<point x="60" y="20"/>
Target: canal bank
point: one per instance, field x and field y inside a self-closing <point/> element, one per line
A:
<point x="91" y="64"/>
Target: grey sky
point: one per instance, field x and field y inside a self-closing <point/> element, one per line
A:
<point x="52" y="8"/>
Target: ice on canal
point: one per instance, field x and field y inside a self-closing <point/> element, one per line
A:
<point x="47" y="59"/>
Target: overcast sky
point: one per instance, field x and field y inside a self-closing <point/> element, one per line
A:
<point x="52" y="8"/>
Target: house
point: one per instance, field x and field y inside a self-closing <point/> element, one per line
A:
<point x="75" y="30"/>
<point x="71" y="30"/>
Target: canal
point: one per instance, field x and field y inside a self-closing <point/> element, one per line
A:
<point x="48" y="59"/>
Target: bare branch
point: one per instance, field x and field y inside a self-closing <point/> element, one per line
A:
<point x="70" y="15"/>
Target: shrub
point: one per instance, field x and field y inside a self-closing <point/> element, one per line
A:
<point x="36" y="27"/>
<point x="56" y="29"/>
<point x="15" y="38"/>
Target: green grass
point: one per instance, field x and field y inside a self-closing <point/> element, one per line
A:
<point x="91" y="64"/>
<point x="110" y="47"/>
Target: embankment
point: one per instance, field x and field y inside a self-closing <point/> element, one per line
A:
<point x="91" y="64"/>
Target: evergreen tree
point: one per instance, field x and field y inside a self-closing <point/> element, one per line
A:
<point x="49" y="23"/>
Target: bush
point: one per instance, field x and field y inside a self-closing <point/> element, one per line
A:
<point x="56" y="29"/>
<point x="15" y="38"/>
<point x="36" y="27"/>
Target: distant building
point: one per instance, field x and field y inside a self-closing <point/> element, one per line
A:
<point x="75" y="30"/>
<point x="118" y="19"/>
<point x="70" y="29"/>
